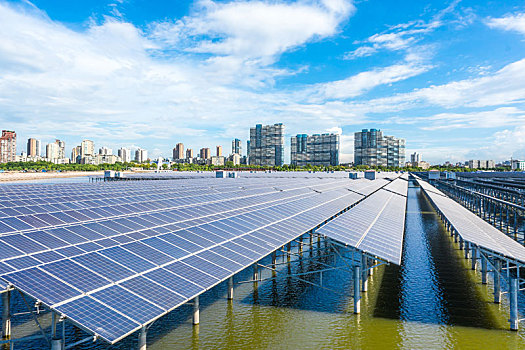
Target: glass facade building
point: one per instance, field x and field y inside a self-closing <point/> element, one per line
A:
<point x="372" y="148"/>
<point x="266" y="147"/>
<point x="320" y="150"/>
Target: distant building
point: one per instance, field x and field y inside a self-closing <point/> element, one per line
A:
<point x="105" y="151"/>
<point x="124" y="154"/>
<point x="141" y="155"/>
<point x="219" y="151"/>
<point x="373" y="149"/>
<point x="237" y="147"/>
<point x="178" y="151"/>
<point x="318" y="150"/>
<point x="61" y="149"/>
<point x="518" y="165"/>
<point x="7" y="146"/>
<point x="235" y="158"/>
<point x="216" y="160"/>
<point x="481" y="164"/>
<point x="33" y="147"/>
<point x="415" y="157"/>
<point x="76" y="154"/>
<point x="52" y="151"/>
<point x="87" y="148"/>
<point x="189" y="153"/>
<point x="205" y="153"/>
<point x="267" y="145"/>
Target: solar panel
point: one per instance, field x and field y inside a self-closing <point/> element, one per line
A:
<point x="182" y="238"/>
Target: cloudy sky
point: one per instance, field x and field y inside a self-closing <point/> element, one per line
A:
<point x="449" y="76"/>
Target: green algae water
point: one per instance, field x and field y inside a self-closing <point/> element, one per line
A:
<point x="433" y="301"/>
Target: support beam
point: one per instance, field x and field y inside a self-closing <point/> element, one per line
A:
<point x="364" y="273"/>
<point x="483" y="269"/>
<point x="6" y="315"/>
<point x="357" y="290"/>
<point x="513" y="295"/>
<point x="467" y="249"/>
<point x="230" y="288"/>
<point x="474" y="257"/>
<point x="142" y="338"/>
<point x="255" y="273"/>
<point x="497" y="286"/>
<point x="274" y="259"/>
<point x="196" y="318"/>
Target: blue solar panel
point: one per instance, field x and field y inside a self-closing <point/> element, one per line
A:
<point x="90" y="313"/>
<point x="148" y="253"/>
<point x="127" y="303"/>
<point x="6" y="251"/>
<point x="16" y="223"/>
<point x="49" y="256"/>
<point x="166" y="248"/>
<point x="66" y="235"/>
<point x="153" y="292"/>
<point x="22" y="262"/>
<point x="128" y="259"/>
<point x="212" y="269"/>
<point x="103" y="266"/>
<point x="190" y="273"/>
<point x="75" y="275"/>
<point x="23" y="243"/>
<point x="41" y="286"/>
<point x="180" y="242"/>
<point x="174" y="282"/>
<point x="46" y="239"/>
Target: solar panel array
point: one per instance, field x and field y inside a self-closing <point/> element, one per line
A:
<point x="471" y="227"/>
<point x="114" y="256"/>
<point x="376" y="225"/>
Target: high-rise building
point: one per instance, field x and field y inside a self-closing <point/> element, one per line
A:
<point x="61" y="149"/>
<point x="219" y="151"/>
<point x="236" y="147"/>
<point x="205" y="153"/>
<point x="76" y="154"/>
<point x="87" y="148"/>
<point x="267" y="145"/>
<point x="33" y="147"/>
<point x="105" y="151"/>
<point x="373" y="149"/>
<point x="189" y="153"/>
<point x="415" y="157"/>
<point x="52" y="152"/>
<point x="481" y="164"/>
<point x="178" y="151"/>
<point x="320" y="150"/>
<point x="124" y="154"/>
<point x="7" y="146"/>
<point x="141" y="155"/>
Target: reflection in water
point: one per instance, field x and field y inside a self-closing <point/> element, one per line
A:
<point x="433" y="301"/>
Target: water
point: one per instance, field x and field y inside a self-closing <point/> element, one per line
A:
<point x="433" y="301"/>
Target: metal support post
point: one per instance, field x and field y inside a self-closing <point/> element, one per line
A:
<point x="467" y="250"/>
<point x="142" y="338"/>
<point x="370" y="271"/>
<point x="357" y="290"/>
<point x="230" y="288"/>
<point x="255" y="273"/>
<point x="497" y="287"/>
<point x="196" y="318"/>
<point x="483" y="270"/>
<point x="513" y="295"/>
<point x="6" y="315"/>
<point x="460" y="243"/>
<point x="289" y="250"/>
<point x="274" y="260"/>
<point x="474" y="257"/>
<point x="364" y="273"/>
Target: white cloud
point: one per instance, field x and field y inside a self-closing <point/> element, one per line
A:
<point x="515" y="23"/>
<point x="254" y="31"/>
<point x="499" y="117"/>
<point x="362" y="82"/>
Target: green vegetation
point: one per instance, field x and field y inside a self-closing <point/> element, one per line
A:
<point x="47" y="166"/>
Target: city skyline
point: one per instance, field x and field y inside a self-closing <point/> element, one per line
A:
<point x="128" y="75"/>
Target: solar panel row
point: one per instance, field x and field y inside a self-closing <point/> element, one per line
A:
<point x="162" y="257"/>
<point x="471" y="227"/>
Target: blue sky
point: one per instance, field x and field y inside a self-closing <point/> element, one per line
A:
<point x="449" y="76"/>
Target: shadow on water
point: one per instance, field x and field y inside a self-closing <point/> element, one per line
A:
<point x="434" y="284"/>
